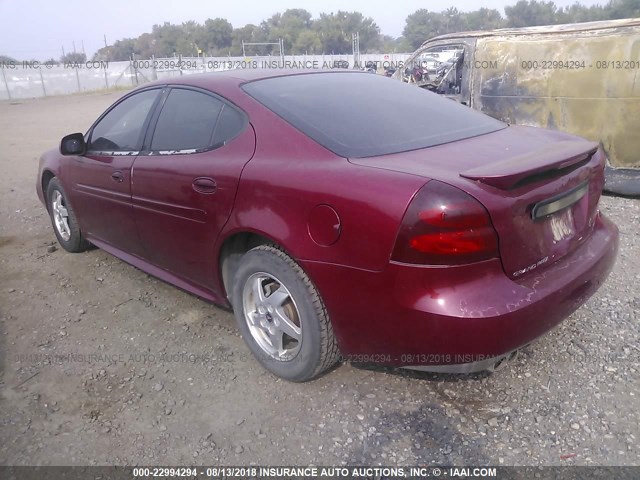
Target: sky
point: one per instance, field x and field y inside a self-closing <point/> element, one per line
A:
<point x="40" y="29"/>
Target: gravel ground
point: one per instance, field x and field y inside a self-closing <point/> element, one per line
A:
<point x="105" y="365"/>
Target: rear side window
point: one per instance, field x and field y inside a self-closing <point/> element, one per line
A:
<point x="187" y="121"/>
<point x="230" y="124"/>
<point x="363" y="115"/>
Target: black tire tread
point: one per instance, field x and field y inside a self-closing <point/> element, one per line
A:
<point x="77" y="243"/>
<point x="328" y="345"/>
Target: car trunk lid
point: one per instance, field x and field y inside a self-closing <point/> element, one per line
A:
<point x="541" y="188"/>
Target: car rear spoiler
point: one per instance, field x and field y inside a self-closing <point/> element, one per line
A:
<point x="547" y="162"/>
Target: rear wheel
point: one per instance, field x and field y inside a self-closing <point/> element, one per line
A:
<point x="63" y="218"/>
<point x="281" y="315"/>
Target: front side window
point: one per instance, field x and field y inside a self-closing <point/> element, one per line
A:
<point x="121" y="129"/>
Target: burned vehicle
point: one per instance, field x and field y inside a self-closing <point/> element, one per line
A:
<point x="578" y="78"/>
<point x="436" y="71"/>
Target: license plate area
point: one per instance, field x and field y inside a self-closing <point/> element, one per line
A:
<point x="555" y="204"/>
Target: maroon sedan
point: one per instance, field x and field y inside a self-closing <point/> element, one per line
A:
<point x="341" y="215"/>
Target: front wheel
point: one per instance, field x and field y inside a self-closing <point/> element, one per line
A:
<point x="63" y="218"/>
<point x="281" y="315"/>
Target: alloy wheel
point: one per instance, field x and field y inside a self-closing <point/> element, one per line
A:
<point x="272" y="316"/>
<point x="60" y="216"/>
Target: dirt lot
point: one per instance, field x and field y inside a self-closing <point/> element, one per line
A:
<point x="103" y="364"/>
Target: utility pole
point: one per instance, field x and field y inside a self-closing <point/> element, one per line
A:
<point x="355" y="38"/>
<point x="83" y="47"/>
<point x="105" y="40"/>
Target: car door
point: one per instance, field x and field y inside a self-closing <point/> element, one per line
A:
<point x="186" y="180"/>
<point x="101" y="179"/>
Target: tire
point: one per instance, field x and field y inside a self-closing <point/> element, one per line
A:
<point x="63" y="219"/>
<point x="286" y="326"/>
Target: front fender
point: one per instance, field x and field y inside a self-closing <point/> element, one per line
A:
<point x="49" y="166"/>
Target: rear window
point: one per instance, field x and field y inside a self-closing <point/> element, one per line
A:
<point x="364" y="115"/>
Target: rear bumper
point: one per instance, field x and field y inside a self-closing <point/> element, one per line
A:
<point x="489" y="364"/>
<point x="463" y="317"/>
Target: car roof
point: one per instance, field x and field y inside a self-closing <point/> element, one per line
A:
<point x="234" y="78"/>
<point x="546" y="29"/>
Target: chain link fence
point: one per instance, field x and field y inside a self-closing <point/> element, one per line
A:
<point x="19" y="80"/>
<point x="29" y="80"/>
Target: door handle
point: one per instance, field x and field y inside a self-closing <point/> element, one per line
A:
<point x="204" y="185"/>
<point x="117" y="176"/>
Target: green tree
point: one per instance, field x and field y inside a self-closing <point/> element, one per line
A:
<point x="142" y="47"/>
<point x="579" y="13"/>
<point x="623" y="9"/>
<point x="483" y="19"/>
<point x="527" y="13"/>
<point x="249" y="34"/>
<point x="73" y="57"/>
<point x="7" y="60"/>
<point x="453" y="20"/>
<point x="166" y="37"/>
<point x="216" y="36"/>
<point x="402" y="44"/>
<point x="308" y="42"/>
<point x="187" y="37"/>
<point x="120" y="51"/>
<point x="288" y="26"/>
<point x="423" y="25"/>
<point x="336" y="29"/>
<point x="388" y="44"/>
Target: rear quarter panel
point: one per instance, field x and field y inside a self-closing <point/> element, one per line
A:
<point x="290" y="174"/>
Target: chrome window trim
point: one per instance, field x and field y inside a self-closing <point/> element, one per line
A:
<point x="127" y="153"/>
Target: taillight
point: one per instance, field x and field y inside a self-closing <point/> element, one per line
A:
<point x="445" y="226"/>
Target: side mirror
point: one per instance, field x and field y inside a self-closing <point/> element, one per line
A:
<point x="73" y="144"/>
